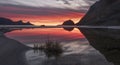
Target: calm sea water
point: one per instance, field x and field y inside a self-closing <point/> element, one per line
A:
<point x="39" y="35"/>
<point x="77" y="50"/>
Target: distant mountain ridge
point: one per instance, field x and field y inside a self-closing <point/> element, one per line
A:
<point x="6" y="21"/>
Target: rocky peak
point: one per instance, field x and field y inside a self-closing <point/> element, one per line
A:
<point x="103" y="12"/>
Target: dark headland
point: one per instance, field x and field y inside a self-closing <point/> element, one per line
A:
<point x="107" y="41"/>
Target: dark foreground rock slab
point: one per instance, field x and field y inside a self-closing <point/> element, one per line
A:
<point x="12" y="52"/>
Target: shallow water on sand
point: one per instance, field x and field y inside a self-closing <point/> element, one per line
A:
<point x="77" y="50"/>
<point x="75" y="53"/>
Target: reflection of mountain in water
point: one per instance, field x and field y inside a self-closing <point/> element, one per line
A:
<point x="107" y="41"/>
<point x="79" y="52"/>
<point x="6" y="21"/>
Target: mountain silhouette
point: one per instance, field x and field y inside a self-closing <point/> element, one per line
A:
<point x="103" y="13"/>
<point x="6" y="21"/>
<point x="106" y="41"/>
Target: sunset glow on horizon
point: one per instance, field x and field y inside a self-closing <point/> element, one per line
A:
<point x="44" y="12"/>
<point x="39" y="35"/>
<point x="47" y="20"/>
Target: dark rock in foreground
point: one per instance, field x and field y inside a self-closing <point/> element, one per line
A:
<point x="12" y="52"/>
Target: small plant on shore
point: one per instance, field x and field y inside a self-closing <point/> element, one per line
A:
<point x="53" y="49"/>
<point x="50" y="48"/>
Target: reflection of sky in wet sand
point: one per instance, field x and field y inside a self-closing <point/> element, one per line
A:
<point x="29" y="36"/>
<point x="76" y="53"/>
<point x="77" y="50"/>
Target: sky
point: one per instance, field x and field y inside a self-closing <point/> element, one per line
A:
<point x="44" y="12"/>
